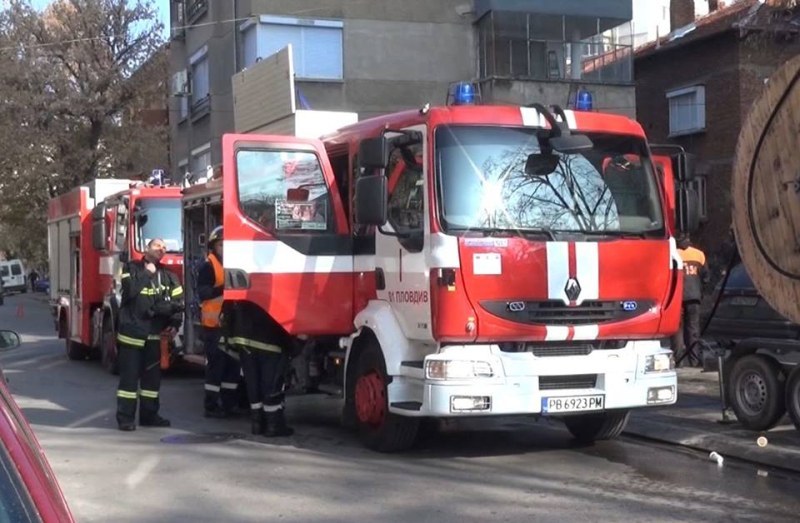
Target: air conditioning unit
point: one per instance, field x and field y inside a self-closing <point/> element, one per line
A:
<point x="180" y="84"/>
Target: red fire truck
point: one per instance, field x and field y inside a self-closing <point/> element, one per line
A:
<point x="463" y="260"/>
<point x="92" y="231"/>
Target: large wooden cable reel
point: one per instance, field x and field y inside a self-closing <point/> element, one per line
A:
<point x="766" y="191"/>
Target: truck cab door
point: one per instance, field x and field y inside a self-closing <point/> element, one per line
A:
<point x="402" y="244"/>
<point x="287" y="245"/>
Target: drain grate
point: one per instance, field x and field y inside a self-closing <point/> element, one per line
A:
<point x="194" y="439"/>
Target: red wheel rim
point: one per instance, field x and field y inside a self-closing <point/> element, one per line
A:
<point x="371" y="399"/>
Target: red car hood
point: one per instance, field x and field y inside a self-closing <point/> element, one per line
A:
<point x="527" y="290"/>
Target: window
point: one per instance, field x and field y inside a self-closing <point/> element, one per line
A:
<point x="159" y="218"/>
<point x="200" y="160"/>
<point x="180" y="89"/>
<point x="687" y="110"/>
<point x="486" y="185"/>
<point x="406" y="196"/>
<point x="195" y="9"/>
<point x="316" y="44"/>
<point x="283" y="191"/>
<point x="16" y="269"/>
<point x="200" y="80"/>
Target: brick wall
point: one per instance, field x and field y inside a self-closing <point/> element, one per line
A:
<point x="733" y="71"/>
<point x="714" y="64"/>
<point x="681" y="13"/>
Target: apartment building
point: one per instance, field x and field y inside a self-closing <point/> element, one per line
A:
<point x="384" y="55"/>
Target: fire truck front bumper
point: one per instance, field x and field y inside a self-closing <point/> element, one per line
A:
<point x="482" y="380"/>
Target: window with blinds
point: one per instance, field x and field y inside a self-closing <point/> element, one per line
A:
<point x="687" y="110"/>
<point x="316" y="44"/>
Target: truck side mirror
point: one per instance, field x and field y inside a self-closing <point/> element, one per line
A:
<point x="371" y="200"/>
<point x="688" y="214"/>
<point x="683" y="165"/>
<point x="373" y="153"/>
<point x="99" y="228"/>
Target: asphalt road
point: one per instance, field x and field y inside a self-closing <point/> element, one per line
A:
<point x="512" y="471"/>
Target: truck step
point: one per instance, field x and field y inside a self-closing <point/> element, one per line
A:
<point x="407" y="405"/>
<point x="412" y="369"/>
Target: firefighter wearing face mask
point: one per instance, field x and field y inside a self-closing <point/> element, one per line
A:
<point x="151" y="307"/>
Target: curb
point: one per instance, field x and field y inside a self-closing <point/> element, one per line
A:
<point x="778" y="457"/>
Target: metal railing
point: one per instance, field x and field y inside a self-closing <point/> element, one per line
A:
<point x="525" y="59"/>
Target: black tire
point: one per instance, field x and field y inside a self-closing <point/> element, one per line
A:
<point x="378" y="429"/>
<point x="793" y="397"/>
<point x="108" y="348"/>
<point x="75" y="351"/>
<point x="588" y="428"/>
<point x="757" y="392"/>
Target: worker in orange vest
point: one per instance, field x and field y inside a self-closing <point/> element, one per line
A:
<point x="695" y="275"/>
<point x="222" y="368"/>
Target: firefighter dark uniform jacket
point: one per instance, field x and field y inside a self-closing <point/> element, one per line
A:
<point x="150" y="303"/>
<point x="695" y="273"/>
<point x="246" y="325"/>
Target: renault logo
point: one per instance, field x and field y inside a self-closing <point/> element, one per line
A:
<point x="516" y="306"/>
<point x="572" y="289"/>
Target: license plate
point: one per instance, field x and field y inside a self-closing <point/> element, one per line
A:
<point x="573" y="403"/>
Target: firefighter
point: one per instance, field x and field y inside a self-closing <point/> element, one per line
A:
<point x="151" y="306"/>
<point x="695" y="275"/>
<point x="263" y="347"/>
<point x="222" y="369"/>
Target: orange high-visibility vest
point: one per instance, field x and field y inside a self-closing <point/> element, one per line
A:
<point x="211" y="309"/>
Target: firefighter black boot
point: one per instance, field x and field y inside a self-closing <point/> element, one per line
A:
<point x="257" y="422"/>
<point x="276" y="425"/>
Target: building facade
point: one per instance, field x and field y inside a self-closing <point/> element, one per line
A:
<point x="382" y="56"/>
<point x="695" y="87"/>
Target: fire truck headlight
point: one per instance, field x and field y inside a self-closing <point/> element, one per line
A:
<point x="659" y="363"/>
<point x="457" y="369"/>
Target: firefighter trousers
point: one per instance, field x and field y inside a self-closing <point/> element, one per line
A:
<point x="264" y="372"/>
<point x="139" y="377"/>
<point x="222" y="373"/>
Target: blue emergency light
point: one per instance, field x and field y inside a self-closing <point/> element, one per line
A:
<point x="463" y="93"/>
<point x="584" y="101"/>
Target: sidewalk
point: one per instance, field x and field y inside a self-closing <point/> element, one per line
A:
<point x="694" y="422"/>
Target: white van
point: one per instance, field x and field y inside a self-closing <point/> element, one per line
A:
<point x="13" y="274"/>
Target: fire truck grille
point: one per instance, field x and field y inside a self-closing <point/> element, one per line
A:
<point x="545" y="349"/>
<point x="578" y="381"/>
<point x="556" y="312"/>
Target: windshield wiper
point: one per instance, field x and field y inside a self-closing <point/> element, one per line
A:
<point x="497" y="231"/>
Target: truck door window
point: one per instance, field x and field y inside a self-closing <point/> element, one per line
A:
<point x="283" y="191"/>
<point x="339" y="164"/>
<point x="406" y="198"/>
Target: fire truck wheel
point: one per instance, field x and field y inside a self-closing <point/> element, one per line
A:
<point x="108" y="348"/>
<point x="588" y="428"/>
<point x="75" y="351"/>
<point x="378" y="428"/>
<point x="757" y="392"/>
<point x="793" y="397"/>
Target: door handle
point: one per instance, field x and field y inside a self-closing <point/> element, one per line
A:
<point x="380" y="279"/>
<point x="237" y="279"/>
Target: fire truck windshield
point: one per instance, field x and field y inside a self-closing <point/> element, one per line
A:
<point x="159" y="218"/>
<point x="610" y="189"/>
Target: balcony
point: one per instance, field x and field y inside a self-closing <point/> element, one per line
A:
<point x="195" y="9"/>
<point x="546" y="47"/>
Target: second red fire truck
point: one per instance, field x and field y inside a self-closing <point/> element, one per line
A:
<point x="92" y="231"/>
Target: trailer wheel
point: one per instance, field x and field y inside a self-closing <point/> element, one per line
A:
<point x="108" y="348"/>
<point x="757" y="392"/>
<point x="793" y="397"/>
<point x="378" y="428"/>
<point x="588" y="428"/>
